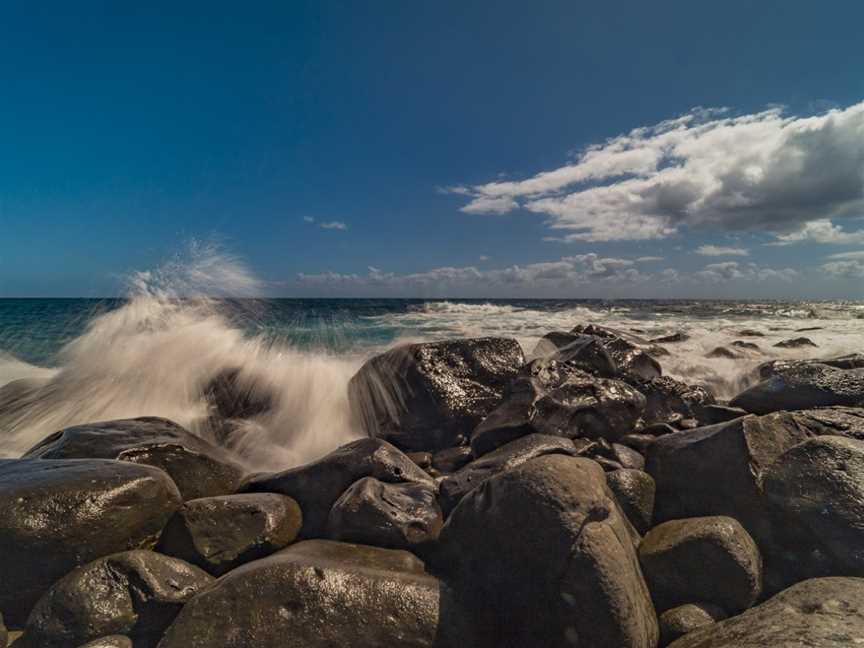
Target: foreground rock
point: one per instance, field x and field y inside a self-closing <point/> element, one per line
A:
<point x="395" y="516"/>
<point x="111" y="641"/>
<point x="317" y="486"/>
<point x="773" y="367"/>
<point x="630" y="359"/>
<point x="684" y="619"/>
<point x="711" y="559"/>
<point x="199" y="468"/>
<point x="135" y="593"/>
<point x="57" y="515"/>
<point x="220" y="533"/>
<point x="634" y="490"/>
<point x="321" y="594"/>
<point x="234" y="394"/>
<point x="546" y="548"/>
<point x="427" y="396"/>
<point x="668" y="400"/>
<point x="803" y="386"/>
<point x="823" y="612"/>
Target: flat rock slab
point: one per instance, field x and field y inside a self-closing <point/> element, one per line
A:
<point x="802" y="386"/>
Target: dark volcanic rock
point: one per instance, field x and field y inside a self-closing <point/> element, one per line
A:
<point x="111" y="641"/>
<point x="803" y="386"/>
<point x="741" y="344"/>
<point x="318" y="485"/>
<point x="320" y="594"/>
<point x="135" y="593"/>
<point x="235" y="394"/>
<point x="199" y="468"/>
<point x="220" y="533"/>
<point x="634" y="490"/>
<point x="454" y="487"/>
<point x="426" y="396"/>
<point x="686" y="618"/>
<point x="680" y="336"/>
<point x="823" y="612"/>
<point x="4" y="633"/>
<point x="819" y="485"/>
<point x="796" y="343"/>
<point x="629" y="358"/>
<point x="512" y="419"/>
<point x="712" y="414"/>
<point x="668" y="400"/>
<point x="547" y="551"/>
<point x="451" y="459"/>
<point x="639" y="441"/>
<point x="57" y="515"/>
<point x="585" y="352"/>
<point x="395" y="516"/>
<point x="723" y="352"/>
<point x="710" y="559"/>
<point x="751" y="333"/>
<point x="773" y="367"/>
<point x="829" y="421"/>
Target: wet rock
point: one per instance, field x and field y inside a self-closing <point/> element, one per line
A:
<point x="111" y="641"/>
<point x="422" y="459"/>
<point x="512" y="419"/>
<point x="317" y="486"/>
<point x="824" y="612"/>
<point x="829" y="421"/>
<point x="394" y="516"/>
<point x="686" y="618"/>
<point x="634" y="490"/>
<point x="796" y="343"/>
<point x="319" y="594"/>
<point x="803" y="386"/>
<point x="220" y="533"/>
<point x="751" y="333"/>
<point x="710" y="559"/>
<point x="668" y="400"/>
<point x="585" y="352"/>
<point x="750" y="346"/>
<point x="620" y="455"/>
<point x="452" y="459"/>
<point x="773" y="367"/>
<point x="723" y="352"/>
<point x="233" y="393"/>
<point x="427" y="396"/>
<point x="199" y="468"/>
<point x="819" y="485"/>
<point x="454" y="487"/>
<point x="135" y="593"/>
<point x="712" y="414"/>
<point x="57" y="515"/>
<point x="546" y="549"/>
<point x="656" y="430"/>
<point x="639" y="441"/>
<point x="629" y="358"/>
<point x="4" y="633"/>
<point x="679" y="336"/>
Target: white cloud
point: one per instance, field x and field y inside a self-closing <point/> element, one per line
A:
<point x="334" y="225"/>
<point x="308" y="219"/>
<point x="732" y="270"/>
<point x="763" y="172"/>
<point x="845" y="269"/>
<point x="717" y="250"/>
<point x="857" y="254"/>
<point x="649" y="259"/>
<point x="483" y="257"/>
<point x="820" y="231"/>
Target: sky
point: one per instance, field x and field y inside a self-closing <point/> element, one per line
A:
<point x="437" y="149"/>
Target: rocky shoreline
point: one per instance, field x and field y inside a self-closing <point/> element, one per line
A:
<point x="581" y="498"/>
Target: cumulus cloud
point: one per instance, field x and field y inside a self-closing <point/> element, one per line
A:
<point x="732" y="270"/>
<point x="649" y="259"/>
<point x="820" y="231"/>
<point x="717" y="250"/>
<point x="852" y="269"/>
<point x="767" y="171"/>
<point x="333" y="225"/>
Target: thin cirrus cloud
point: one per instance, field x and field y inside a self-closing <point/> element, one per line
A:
<point x="718" y="250"/>
<point x="769" y="172"/>
<point x="328" y="225"/>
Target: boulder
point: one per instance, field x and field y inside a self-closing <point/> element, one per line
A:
<point x="803" y="386"/>
<point x="634" y="491"/>
<point x="624" y="349"/>
<point x="679" y="621"/>
<point x="220" y="533"/>
<point x="111" y="641"/>
<point x="741" y="344"/>
<point x="679" y="336"/>
<point x="422" y="459"/>
<point x="819" y="485"/>
<point x="233" y="393"/>
<point x="711" y="559"/>
<point x="512" y="419"/>
<point x="851" y="361"/>
<point x="451" y="459"/>
<point x="584" y="352"/>
<point x="428" y="396"/>
<point x="134" y="593"/>
<point x="199" y="468"/>
<point x="668" y="400"/>
<point x="319" y="594"/>
<point x="317" y="486"/>
<point x="546" y="550"/>
<point x="57" y="515"/>
<point x="4" y="633"/>
<point x="829" y="421"/>
<point x="512" y="455"/>
<point x="395" y="516"/>
<point x="711" y="414"/>
<point x="751" y="333"/>
<point x="639" y="441"/>
<point x="796" y="343"/>
<point x="823" y="612"/>
<point x="723" y="352"/>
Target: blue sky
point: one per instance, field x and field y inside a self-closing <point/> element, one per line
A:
<point x="437" y="149"/>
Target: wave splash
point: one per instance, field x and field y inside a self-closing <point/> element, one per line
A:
<point x="156" y="354"/>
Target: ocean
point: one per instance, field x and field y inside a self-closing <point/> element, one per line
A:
<point x="152" y="353"/>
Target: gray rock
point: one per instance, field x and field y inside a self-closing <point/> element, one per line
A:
<point x="319" y="594"/>
<point x="134" y="593"/>
<point x="199" y="468"/>
<point x="823" y="612"/>
<point x="428" y="396"/>
<point x="57" y="515"/>
<point x="803" y="386"/>
<point x="711" y="559"/>
<point x="317" y="486"/>
<point x="634" y="490"/>
<point x="220" y="533"/>
<point x="394" y="516"/>
<point x="546" y="549"/>
<point x="686" y="618"/>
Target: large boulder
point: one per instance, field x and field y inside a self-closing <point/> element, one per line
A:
<point x="669" y="400"/>
<point x="318" y="594"/>
<point x="428" y="396"/>
<point x="318" y="485"/>
<point x="829" y="421"/>
<point x="585" y="352"/>
<point x="233" y="393"/>
<point x="772" y="367"/>
<point x="634" y="490"/>
<point x="803" y="386"/>
<point x="546" y="550"/>
<point x="111" y="641"/>
<point x="134" y="593"/>
<point x="395" y="516"/>
<point x="823" y="612"/>
<point x="818" y="486"/>
<point x="626" y="350"/>
<point x="679" y="621"/>
<point x="512" y="455"/>
<point x="57" y="515"/>
<point x="199" y="468"/>
<point x="220" y="533"/>
<point x="711" y="559"/>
